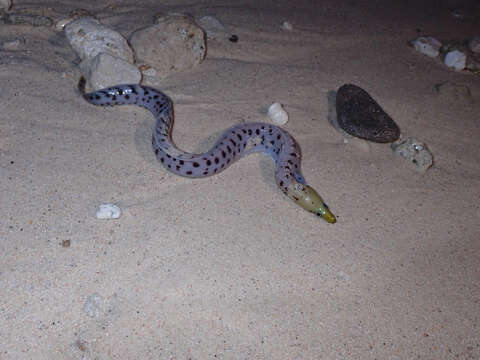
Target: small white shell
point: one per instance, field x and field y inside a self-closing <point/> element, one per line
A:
<point x="278" y="115"/>
<point x="108" y="211"/>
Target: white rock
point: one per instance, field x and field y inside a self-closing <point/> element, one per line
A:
<point x="108" y="211"/>
<point x="5" y="4"/>
<point x="456" y="59"/>
<point x="277" y="114"/>
<point x="174" y="43"/>
<point x="88" y="37"/>
<point x="212" y="26"/>
<point x="287" y="26"/>
<point x="427" y="45"/>
<point x="414" y="151"/>
<point x="106" y="70"/>
<point x="474" y="44"/>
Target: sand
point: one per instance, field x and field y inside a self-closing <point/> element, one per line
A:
<point x="227" y="267"/>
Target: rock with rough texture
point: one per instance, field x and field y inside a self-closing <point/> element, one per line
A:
<point x="174" y="43"/>
<point x="359" y="115"/>
<point x="105" y="70"/>
<point x="5" y="4"/>
<point x="212" y="26"/>
<point x="474" y="44"/>
<point x="20" y="18"/>
<point x="88" y="37"/>
<point x="277" y="114"/>
<point x="414" y="151"/>
<point x="456" y="59"/>
<point x="428" y="46"/>
<point x="108" y="211"/>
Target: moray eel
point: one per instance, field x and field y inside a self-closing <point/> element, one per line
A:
<point x="239" y="140"/>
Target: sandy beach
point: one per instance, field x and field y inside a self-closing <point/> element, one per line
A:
<point x="227" y="267"/>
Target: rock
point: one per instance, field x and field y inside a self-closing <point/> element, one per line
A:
<point x="474" y="44"/>
<point x="428" y="46"/>
<point x="5" y="5"/>
<point x="12" y="44"/>
<point x="359" y="115"/>
<point x="358" y="143"/>
<point x="26" y="19"/>
<point x="108" y="211"/>
<point x="456" y="59"/>
<point x="287" y="26"/>
<point x="174" y="43"/>
<point x="88" y="37"/>
<point x="105" y="70"/>
<point x="212" y="26"/>
<point x="414" y="151"/>
<point x="277" y="114"/>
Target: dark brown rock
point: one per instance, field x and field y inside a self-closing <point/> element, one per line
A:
<point x="359" y="115"/>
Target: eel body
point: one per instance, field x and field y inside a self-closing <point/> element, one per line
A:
<point x="235" y="142"/>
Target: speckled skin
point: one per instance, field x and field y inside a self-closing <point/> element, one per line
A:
<point x="235" y="142"/>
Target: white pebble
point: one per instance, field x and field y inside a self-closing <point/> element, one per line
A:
<point x="278" y="115"/>
<point x="456" y="59"/>
<point x="427" y="45"/>
<point x="287" y="26"/>
<point x="108" y="211"/>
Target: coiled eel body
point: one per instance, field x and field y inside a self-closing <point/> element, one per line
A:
<point x="234" y="143"/>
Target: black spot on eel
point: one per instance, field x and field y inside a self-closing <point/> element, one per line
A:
<point x="239" y="140"/>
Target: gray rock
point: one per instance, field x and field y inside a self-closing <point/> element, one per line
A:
<point x="174" y="43"/>
<point x="474" y="44"/>
<point x="88" y="37"/>
<point x="12" y="44"/>
<point x="5" y="5"/>
<point x="427" y="45"/>
<point x="25" y="19"/>
<point x="212" y="26"/>
<point x="106" y="70"/>
<point x="414" y="151"/>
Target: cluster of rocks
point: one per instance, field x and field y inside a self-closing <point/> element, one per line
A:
<point x="359" y="118"/>
<point x="459" y="55"/>
<point x="174" y="42"/>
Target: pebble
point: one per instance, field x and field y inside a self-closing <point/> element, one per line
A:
<point x="212" y="26"/>
<point x="428" y="46"/>
<point x="277" y="114"/>
<point x="94" y="306"/>
<point x="12" y="44"/>
<point x="105" y="70"/>
<point x="287" y="26"/>
<point x="173" y="43"/>
<point x="414" y="151"/>
<point x="108" y="211"/>
<point x="361" y="116"/>
<point x="456" y="59"/>
<point x="5" y="5"/>
<point x="26" y="19"/>
<point x="474" y="44"/>
<point x="88" y="37"/>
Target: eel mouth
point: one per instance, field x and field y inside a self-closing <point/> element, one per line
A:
<point x="327" y="215"/>
<point x="306" y="197"/>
